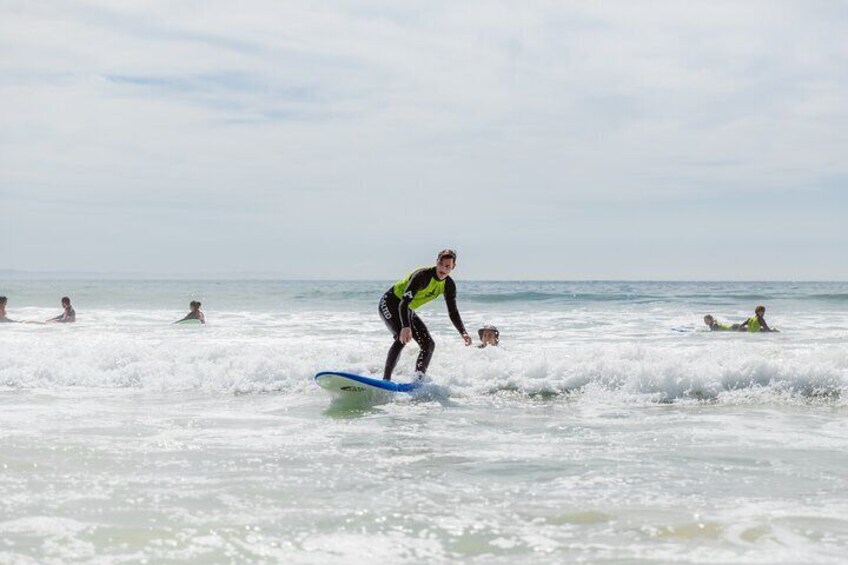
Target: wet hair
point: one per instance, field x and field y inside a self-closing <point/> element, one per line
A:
<point x="490" y="328"/>
<point x="709" y="317"/>
<point x="66" y="300"/>
<point x="194" y="303"/>
<point x="759" y="309"/>
<point x="3" y="300"/>
<point x="447" y="254"/>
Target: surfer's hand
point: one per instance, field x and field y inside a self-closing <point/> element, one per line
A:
<point x="405" y="335"/>
<point x="467" y="339"/>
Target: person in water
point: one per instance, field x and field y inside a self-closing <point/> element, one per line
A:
<point x="489" y="335"/>
<point x="67" y="317"/>
<point x="195" y="313"/>
<point x="3" y="318"/>
<point x="757" y="322"/>
<point x="716" y="326"/>
<point x="397" y="310"/>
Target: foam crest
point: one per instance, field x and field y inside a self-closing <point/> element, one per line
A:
<point x="283" y="353"/>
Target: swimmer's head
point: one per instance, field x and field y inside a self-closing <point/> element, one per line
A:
<point x="708" y="319"/>
<point x="489" y="335"/>
<point x="66" y="301"/>
<point x="760" y="310"/>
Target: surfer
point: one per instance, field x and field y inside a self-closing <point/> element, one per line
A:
<point x="757" y="322"/>
<point x="3" y="318"/>
<point x="397" y="310"/>
<point x="716" y="326"/>
<point x="67" y="316"/>
<point x="489" y="335"/>
<point x="195" y="313"/>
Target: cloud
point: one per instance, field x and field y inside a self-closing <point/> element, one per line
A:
<point x="276" y="114"/>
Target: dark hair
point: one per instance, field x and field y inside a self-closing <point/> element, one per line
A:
<point x="66" y="300"/>
<point x="758" y="308"/>
<point x="194" y="303"/>
<point x="3" y="300"/>
<point x="449" y="253"/>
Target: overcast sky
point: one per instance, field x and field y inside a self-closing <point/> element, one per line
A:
<point x="556" y="140"/>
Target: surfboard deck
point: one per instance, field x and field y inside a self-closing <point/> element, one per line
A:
<point x="348" y="383"/>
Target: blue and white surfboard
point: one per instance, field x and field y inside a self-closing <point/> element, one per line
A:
<point x="348" y="384"/>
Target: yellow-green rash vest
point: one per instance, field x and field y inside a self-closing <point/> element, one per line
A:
<point x="718" y="326"/>
<point x="427" y="294"/>
<point x="419" y="288"/>
<point x="753" y="324"/>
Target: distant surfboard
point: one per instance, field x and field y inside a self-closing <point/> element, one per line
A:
<point x="350" y="385"/>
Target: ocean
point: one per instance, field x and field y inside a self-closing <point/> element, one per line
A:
<point x="609" y="426"/>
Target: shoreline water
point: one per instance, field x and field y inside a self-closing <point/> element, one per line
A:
<point x="114" y="476"/>
<point x="597" y="432"/>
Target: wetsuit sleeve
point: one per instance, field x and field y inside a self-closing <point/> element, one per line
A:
<point x="419" y="281"/>
<point x="450" y="300"/>
<point x="57" y="318"/>
<point x="764" y="326"/>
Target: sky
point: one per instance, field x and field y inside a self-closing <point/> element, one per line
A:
<point x="697" y="140"/>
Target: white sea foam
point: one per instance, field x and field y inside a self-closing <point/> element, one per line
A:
<point x="247" y="352"/>
<point x="595" y="433"/>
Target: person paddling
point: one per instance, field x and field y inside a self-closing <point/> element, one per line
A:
<point x="397" y="310"/>
<point x="194" y="314"/>
<point x="68" y="316"/>
<point x="757" y="322"/>
<point x="716" y="326"/>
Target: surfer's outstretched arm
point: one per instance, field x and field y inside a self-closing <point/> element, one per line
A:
<point x="453" y="311"/>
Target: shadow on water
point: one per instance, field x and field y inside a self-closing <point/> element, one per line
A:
<point x="346" y="410"/>
<point x="357" y="406"/>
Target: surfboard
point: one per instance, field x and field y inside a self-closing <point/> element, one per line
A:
<point x="187" y="323"/>
<point x="341" y="383"/>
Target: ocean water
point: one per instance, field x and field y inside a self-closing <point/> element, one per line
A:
<point x="609" y="427"/>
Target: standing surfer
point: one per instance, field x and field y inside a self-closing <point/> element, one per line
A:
<point x="397" y="309"/>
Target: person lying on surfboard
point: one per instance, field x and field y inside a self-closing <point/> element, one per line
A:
<point x="68" y="316"/>
<point x="195" y="313"/>
<point x="397" y="310"/>
<point x="716" y="326"/>
<point x="757" y="322"/>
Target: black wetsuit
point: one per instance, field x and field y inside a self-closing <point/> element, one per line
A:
<point x="397" y="314"/>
